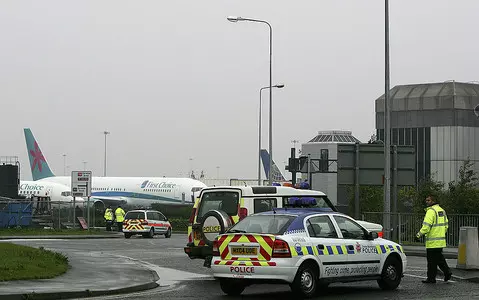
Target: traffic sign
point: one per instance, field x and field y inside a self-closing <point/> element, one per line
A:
<point x="81" y="183"/>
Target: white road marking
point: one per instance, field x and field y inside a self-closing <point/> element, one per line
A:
<point x="422" y="277"/>
<point x="415" y="268"/>
<point x="169" y="276"/>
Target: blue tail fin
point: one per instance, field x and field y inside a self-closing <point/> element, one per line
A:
<point x="277" y="176"/>
<point x="38" y="164"/>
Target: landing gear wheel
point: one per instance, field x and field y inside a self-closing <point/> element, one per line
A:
<point x="391" y="274"/>
<point x="306" y="281"/>
<point x="168" y="233"/>
<point x="231" y="287"/>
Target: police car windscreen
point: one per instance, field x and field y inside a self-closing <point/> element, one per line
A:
<point x="138" y="215"/>
<point x="272" y="224"/>
<point x="225" y="201"/>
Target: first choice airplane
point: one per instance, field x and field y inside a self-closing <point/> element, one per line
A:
<point x="58" y="193"/>
<point x="131" y="191"/>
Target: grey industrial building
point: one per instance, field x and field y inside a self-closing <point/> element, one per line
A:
<point x="437" y="118"/>
<point x="325" y="146"/>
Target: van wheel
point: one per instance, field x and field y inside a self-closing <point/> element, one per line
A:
<point x="168" y="233"/>
<point x="391" y="274"/>
<point x="150" y="234"/>
<point x="127" y="235"/>
<point x="231" y="287"/>
<point x="306" y="281"/>
<point x="216" y="219"/>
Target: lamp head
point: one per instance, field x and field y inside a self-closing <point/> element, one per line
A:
<point x="279" y="86"/>
<point x="233" y="19"/>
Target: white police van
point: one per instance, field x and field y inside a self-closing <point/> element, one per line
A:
<point x="305" y="249"/>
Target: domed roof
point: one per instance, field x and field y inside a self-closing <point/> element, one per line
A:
<point x="335" y="136"/>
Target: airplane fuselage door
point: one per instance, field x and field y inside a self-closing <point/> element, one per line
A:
<point x="176" y="191"/>
<point x="48" y="192"/>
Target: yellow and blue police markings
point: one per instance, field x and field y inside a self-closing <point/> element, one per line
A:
<point x="389" y="248"/>
<point x="299" y="250"/>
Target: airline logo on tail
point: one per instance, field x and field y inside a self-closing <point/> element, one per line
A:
<point x="38" y="163"/>
<point x="277" y="176"/>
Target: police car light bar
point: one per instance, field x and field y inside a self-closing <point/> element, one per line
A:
<point x="301" y="202"/>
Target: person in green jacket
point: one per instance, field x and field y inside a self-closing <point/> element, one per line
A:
<point x="434" y="228"/>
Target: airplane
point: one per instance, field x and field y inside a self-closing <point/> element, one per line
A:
<point x="129" y="191"/>
<point x="59" y="194"/>
<point x="277" y="175"/>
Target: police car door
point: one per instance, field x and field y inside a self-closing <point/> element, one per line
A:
<point x="326" y="244"/>
<point x="364" y="260"/>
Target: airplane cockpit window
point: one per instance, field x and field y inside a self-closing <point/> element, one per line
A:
<point x="66" y="193"/>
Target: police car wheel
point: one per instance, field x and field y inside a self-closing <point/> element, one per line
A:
<point x="231" y="287"/>
<point x="306" y="281"/>
<point x="391" y="274"/>
<point x="168" y="233"/>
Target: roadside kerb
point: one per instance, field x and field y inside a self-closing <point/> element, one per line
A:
<point x="82" y="294"/>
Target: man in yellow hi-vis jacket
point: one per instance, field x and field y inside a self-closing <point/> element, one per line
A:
<point x="108" y="218"/>
<point x="120" y="217"/>
<point x="434" y="228"/>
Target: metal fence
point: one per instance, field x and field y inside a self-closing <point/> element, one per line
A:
<point x="58" y="215"/>
<point x="406" y="225"/>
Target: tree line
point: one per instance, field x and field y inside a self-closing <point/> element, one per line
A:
<point x="457" y="197"/>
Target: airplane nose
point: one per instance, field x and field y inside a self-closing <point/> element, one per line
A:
<point x="78" y="199"/>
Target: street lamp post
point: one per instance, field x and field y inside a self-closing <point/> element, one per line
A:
<point x="387" y="129"/>
<point x="104" y="166"/>
<point x="280" y="86"/>
<point x="64" y="164"/>
<point x="236" y="19"/>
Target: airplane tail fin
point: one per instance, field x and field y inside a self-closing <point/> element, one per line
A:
<point x="38" y="164"/>
<point x="277" y="176"/>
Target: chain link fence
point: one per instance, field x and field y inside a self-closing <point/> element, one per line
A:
<point x="41" y="213"/>
<point x="406" y="225"/>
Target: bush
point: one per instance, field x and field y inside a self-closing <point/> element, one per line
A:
<point x="174" y="211"/>
<point x="179" y="224"/>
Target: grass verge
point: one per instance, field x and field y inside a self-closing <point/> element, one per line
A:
<point x="41" y="231"/>
<point x="19" y="262"/>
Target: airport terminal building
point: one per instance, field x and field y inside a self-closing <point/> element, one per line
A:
<point x="437" y="118"/>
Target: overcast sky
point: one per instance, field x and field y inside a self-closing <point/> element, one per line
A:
<point x="177" y="85"/>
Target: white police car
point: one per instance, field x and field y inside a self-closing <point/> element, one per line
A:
<point x="305" y="249"/>
<point x="146" y="222"/>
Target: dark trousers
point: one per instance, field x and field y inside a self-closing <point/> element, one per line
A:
<point x="436" y="259"/>
<point x="120" y="226"/>
<point x="108" y="225"/>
